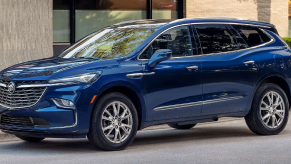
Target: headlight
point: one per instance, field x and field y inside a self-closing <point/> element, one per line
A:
<point x="80" y="78"/>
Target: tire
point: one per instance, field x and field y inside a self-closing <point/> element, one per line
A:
<point x="29" y="139"/>
<point x="106" y="140"/>
<point x="260" y="119"/>
<point x="176" y="126"/>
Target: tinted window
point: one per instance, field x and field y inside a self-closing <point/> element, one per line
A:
<point x="177" y="39"/>
<point x="215" y="38"/>
<point x="239" y="40"/>
<point x="252" y="35"/>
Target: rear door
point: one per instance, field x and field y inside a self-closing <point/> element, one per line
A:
<point x="227" y="81"/>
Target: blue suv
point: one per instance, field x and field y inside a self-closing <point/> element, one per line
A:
<point x="136" y="74"/>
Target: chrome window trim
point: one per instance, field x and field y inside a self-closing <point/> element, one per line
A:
<point x="168" y="107"/>
<point x="25" y="106"/>
<point x="226" y="23"/>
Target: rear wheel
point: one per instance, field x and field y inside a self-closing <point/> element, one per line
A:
<point x="270" y="110"/>
<point x="29" y="139"/>
<point x="114" y="122"/>
<point x="176" y="126"/>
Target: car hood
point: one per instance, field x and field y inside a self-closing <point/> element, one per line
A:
<point x="43" y="67"/>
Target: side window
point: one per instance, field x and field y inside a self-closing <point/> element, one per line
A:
<point x="177" y="39"/>
<point x="252" y="35"/>
<point x="215" y="38"/>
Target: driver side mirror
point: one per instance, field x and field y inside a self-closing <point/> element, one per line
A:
<point x="159" y="56"/>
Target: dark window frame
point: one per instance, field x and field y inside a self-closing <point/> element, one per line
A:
<point x="72" y="8"/>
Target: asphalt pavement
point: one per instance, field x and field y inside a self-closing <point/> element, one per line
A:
<point x="227" y="141"/>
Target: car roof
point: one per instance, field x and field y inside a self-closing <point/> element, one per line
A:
<point x="163" y="22"/>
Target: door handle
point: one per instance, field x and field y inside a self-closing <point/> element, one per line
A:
<point x="192" y="68"/>
<point x="249" y="62"/>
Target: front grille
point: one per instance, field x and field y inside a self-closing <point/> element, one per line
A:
<point x="16" y="120"/>
<point x="22" y="97"/>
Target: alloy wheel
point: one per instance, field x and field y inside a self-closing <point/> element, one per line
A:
<point x="272" y="110"/>
<point x="116" y="122"/>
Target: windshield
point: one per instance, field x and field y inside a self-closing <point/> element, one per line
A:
<point x="109" y="43"/>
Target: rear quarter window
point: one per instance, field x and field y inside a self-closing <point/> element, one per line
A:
<point x="253" y="36"/>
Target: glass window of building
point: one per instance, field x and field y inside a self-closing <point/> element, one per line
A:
<point x="61" y="21"/>
<point x="164" y="9"/>
<point x="289" y="18"/>
<point x="92" y="15"/>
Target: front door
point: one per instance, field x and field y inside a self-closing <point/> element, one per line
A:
<point x="173" y="87"/>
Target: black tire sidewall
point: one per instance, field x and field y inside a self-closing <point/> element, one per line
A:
<point x="256" y="107"/>
<point x="96" y="128"/>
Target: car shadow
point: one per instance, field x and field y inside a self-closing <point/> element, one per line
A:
<point x="143" y="138"/>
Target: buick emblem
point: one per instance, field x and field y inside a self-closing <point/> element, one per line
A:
<point x="11" y="87"/>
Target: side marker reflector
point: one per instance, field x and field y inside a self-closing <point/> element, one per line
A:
<point x="93" y="98"/>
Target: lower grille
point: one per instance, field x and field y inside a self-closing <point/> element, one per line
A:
<point x="21" y="97"/>
<point x="16" y="120"/>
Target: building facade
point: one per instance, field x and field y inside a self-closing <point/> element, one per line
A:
<point x="33" y="29"/>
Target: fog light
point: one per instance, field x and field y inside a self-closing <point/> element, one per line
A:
<point x="62" y="103"/>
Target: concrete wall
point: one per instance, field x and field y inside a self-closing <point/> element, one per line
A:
<point x="271" y="11"/>
<point x="25" y="30"/>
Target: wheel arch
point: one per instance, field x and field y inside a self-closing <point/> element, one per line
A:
<point x="277" y="79"/>
<point x="128" y="90"/>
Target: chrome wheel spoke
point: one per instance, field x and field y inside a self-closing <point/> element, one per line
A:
<point x="107" y="135"/>
<point x="125" y="131"/>
<point x="279" y="114"/>
<point x="106" y="111"/>
<point x="268" y="120"/>
<point x="280" y="111"/>
<point x="127" y="126"/>
<point x="266" y="105"/>
<point x="119" y="134"/>
<point x="106" y="118"/>
<point x="273" y="121"/>
<point x="115" y="135"/>
<point x="266" y="116"/>
<point x="123" y="113"/>
<point x="125" y="117"/>
<point x="270" y="99"/>
<point x="115" y="110"/>
<point x="108" y="127"/>
<point x="265" y="108"/>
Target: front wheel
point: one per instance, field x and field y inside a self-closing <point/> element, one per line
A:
<point x="114" y="122"/>
<point x="270" y="110"/>
<point x="29" y="139"/>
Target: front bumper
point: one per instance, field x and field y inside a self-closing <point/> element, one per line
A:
<point x="69" y="123"/>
